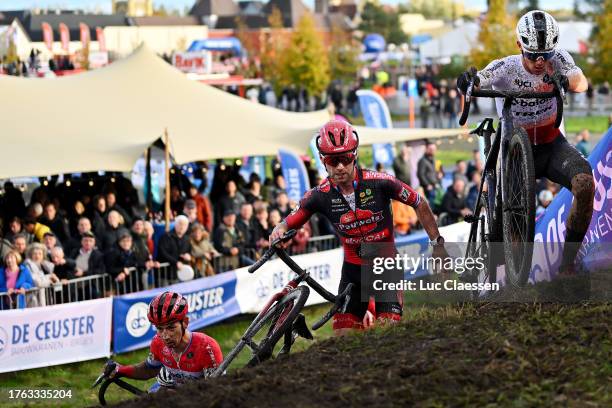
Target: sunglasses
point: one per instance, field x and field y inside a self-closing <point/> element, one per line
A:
<point x="335" y="160"/>
<point x="533" y="56"/>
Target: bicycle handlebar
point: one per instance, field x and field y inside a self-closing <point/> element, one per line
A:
<point x="557" y="93"/>
<point x="106" y="381"/>
<point x="272" y="250"/>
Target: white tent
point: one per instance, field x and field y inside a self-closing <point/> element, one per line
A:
<point x="458" y="41"/>
<point x="105" y="119"/>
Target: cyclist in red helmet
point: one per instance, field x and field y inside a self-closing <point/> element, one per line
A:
<point x="358" y="203"/>
<point x="177" y="355"/>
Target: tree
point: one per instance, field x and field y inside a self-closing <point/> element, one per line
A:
<point x="272" y="47"/>
<point x="343" y="56"/>
<point x="304" y="62"/>
<point x="602" y="44"/>
<point x="441" y="9"/>
<point x="374" y="19"/>
<point x="496" y="38"/>
<point x="248" y="44"/>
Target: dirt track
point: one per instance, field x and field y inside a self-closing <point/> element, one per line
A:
<point x="503" y="354"/>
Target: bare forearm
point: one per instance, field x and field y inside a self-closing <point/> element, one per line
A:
<point x="578" y="83"/>
<point x="427" y="219"/>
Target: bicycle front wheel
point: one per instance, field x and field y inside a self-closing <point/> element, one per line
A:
<point x="519" y="208"/>
<point x="267" y="331"/>
<point x="479" y="246"/>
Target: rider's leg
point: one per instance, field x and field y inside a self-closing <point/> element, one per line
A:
<point x="579" y="218"/>
<point x="350" y="319"/>
<point x="570" y="169"/>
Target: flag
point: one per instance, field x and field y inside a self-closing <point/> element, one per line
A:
<point x="47" y="35"/>
<point x="101" y="39"/>
<point x="64" y="36"/>
<point x="84" y="31"/>
<point x="376" y="114"/>
<point x="295" y="174"/>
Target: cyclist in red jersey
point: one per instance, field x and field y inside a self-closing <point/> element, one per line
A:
<point x="358" y="203"/>
<point x="177" y="355"/>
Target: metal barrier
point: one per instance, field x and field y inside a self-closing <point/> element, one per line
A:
<point x="103" y="285"/>
<point x="317" y="244"/>
<point x="16" y="300"/>
<point x="141" y="279"/>
<point x="85" y="288"/>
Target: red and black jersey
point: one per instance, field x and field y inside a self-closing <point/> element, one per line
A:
<point x="200" y="358"/>
<point x="372" y="219"/>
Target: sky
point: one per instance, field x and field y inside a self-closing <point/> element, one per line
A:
<point x="105" y="5"/>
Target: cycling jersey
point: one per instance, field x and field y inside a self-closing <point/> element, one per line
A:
<point x="370" y="221"/>
<point x="200" y="358"/>
<point x="536" y="116"/>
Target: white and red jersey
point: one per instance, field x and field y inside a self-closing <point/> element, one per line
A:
<point x="199" y="359"/>
<point x="536" y="116"/>
<point x="364" y="218"/>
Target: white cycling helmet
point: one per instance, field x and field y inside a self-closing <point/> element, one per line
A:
<point x="537" y="31"/>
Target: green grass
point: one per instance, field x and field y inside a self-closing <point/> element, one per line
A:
<point x="78" y="377"/>
<point x="595" y="124"/>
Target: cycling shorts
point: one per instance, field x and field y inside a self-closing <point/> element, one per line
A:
<point x="559" y="162"/>
<point x="357" y="307"/>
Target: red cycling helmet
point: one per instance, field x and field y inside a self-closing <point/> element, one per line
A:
<point x="337" y="136"/>
<point x="167" y="308"/>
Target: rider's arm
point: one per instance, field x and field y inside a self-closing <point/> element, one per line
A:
<point x="427" y="220"/>
<point x="298" y="217"/>
<point x="493" y="73"/>
<point x="140" y="371"/>
<point x="564" y="63"/>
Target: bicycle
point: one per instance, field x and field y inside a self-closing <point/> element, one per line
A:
<point x="506" y="210"/>
<point x="281" y="317"/>
<point x="106" y="381"/>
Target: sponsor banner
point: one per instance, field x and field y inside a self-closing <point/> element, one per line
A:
<point x="51" y="335"/>
<point x="254" y="290"/>
<point x="64" y="36"/>
<point x="84" y="32"/>
<point x="376" y="114"/>
<point x="550" y="227"/>
<point x="199" y="62"/>
<point x="101" y="39"/>
<point x="210" y="300"/>
<point x="295" y="174"/>
<point x="226" y="44"/>
<point x="47" y="35"/>
<point x="315" y="154"/>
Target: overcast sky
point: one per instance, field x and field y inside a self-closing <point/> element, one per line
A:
<point x="105" y="5"/>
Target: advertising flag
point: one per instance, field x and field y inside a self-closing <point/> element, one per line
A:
<point x="47" y="35"/>
<point x="376" y="114"/>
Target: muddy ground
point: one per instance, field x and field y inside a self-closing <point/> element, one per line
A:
<point x="488" y="354"/>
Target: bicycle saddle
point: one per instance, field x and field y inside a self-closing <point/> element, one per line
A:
<point x="486" y="126"/>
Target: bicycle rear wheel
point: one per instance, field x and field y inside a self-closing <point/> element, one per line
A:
<point x="267" y="330"/>
<point x="519" y="208"/>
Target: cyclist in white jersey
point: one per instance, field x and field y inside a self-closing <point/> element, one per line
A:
<point x="532" y="71"/>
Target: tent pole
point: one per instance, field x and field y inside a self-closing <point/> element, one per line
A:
<point x="148" y="181"/>
<point x="167" y="203"/>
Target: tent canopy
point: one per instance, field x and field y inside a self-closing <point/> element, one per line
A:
<point x="105" y="119"/>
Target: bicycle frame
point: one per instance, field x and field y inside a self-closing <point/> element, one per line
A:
<point x="302" y="276"/>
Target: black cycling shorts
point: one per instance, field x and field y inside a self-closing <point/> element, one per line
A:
<point x="351" y="273"/>
<point x="559" y="162"/>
